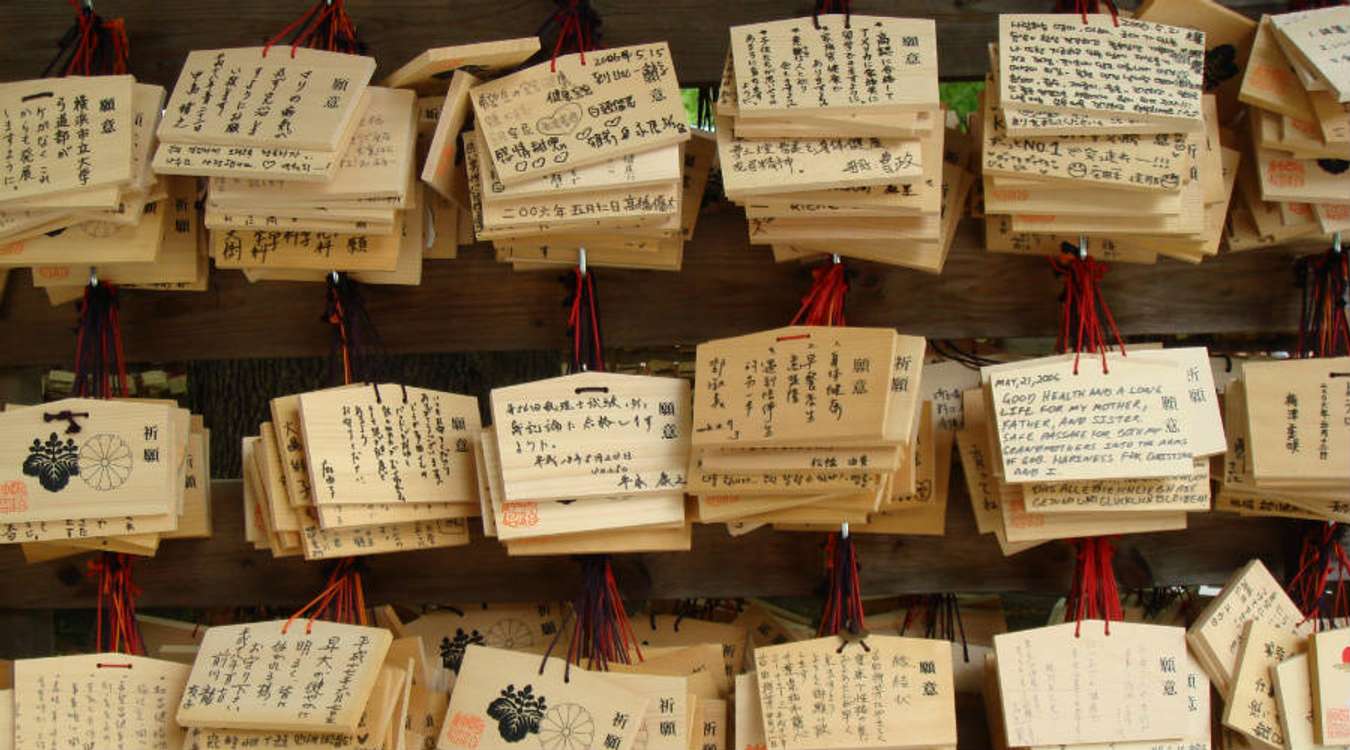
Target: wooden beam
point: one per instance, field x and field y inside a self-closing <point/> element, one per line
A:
<point x="225" y="571"/>
<point x="162" y="33"/>
<point x="726" y="288"/>
<point x="25" y="634"/>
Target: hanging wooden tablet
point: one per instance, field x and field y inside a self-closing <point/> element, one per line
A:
<point x="528" y="628"/>
<point x="766" y="166"/>
<point x="324" y="251"/>
<point x="900" y="689"/>
<point x="1251" y="707"/>
<point x="671" y="630"/>
<point x="376" y="718"/>
<point x="316" y="676"/>
<point x="503" y="697"/>
<point x="375" y="162"/>
<point x="117" y="462"/>
<point x="702" y="664"/>
<point x="1139" y="666"/>
<point x="592" y="434"/>
<point x="427" y="72"/>
<point x="1153" y="164"/>
<point x="1297" y="411"/>
<point x="789" y="67"/>
<point x="1251" y="594"/>
<point x="1184" y="493"/>
<point x="388" y="443"/>
<point x="1228" y="42"/>
<point x="440" y="169"/>
<point x="631" y="104"/>
<point x="1316" y="39"/>
<point x="1326" y="670"/>
<point x="1137" y="402"/>
<point x="1060" y="62"/>
<point x="97" y="700"/>
<point x="322" y="90"/>
<point x="796" y="384"/>
<point x="1293" y="694"/>
<point x="665" y="723"/>
<point x="90" y="120"/>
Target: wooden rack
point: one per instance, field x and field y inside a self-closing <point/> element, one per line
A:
<point x="727" y="287"/>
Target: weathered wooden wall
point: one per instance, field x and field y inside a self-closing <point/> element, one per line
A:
<point x="726" y="288"/>
<point x="225" y="570"/>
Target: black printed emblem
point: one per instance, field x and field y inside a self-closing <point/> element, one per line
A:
<point x="53" y="462"/>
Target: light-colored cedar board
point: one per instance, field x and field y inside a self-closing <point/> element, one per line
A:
<point x="425" y="71"/>
<point x="583" y="129"/>
<point x="314" y="124"/>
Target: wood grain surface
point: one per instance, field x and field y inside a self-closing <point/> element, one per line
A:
<point x="726" y="288"/>
<point x="225" y="571"/>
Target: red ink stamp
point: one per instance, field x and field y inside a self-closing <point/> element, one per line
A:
<point x="464" y="730"/>
<point x="13" y="497"/>
<point x="1285" y="173"/>
<point x="1337" y="722"/>
<point x="521" y="515"/>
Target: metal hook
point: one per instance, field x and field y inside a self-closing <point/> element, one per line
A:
<point x="333" y="277"/>
<point x="1336" y="243"/>
<point x="93" y="276"/>
<point x="88" y="5"/>
<point x="581" y="261"/>
<point x="835" y="256"/>
<point x="843" y="530"/>
<point x="1082" y="247"/>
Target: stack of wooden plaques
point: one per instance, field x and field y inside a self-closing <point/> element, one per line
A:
<point x="301" y="683"/>
<point x="503" y="699"/>
<point x="170" y="233"/>
<point x="809" y="427"/>
<point x="588" y="463"/>
<point x="93" y="700"/>
<point x="373" y="195"/>
<point x="441" y="77"/>
<point x="1247" y="640"/>
<point x="1288" y="428"/>
<point x="1108" y="444"/>
<point x="829" y="132"/>
<point x="311" y="167"/>
<point x="117" y="475"/>
<point x="80" y="189"/>
<point x="1078" y="147"/>
<point x="583" y="151"/>
<point x="1145" y="666"/>
<point x="362" y="470"/>
<point x="1296" y="184"/>
<point x="687" y="665"/>
<point x="667" y="254"/>
<point x="906" y="699"/>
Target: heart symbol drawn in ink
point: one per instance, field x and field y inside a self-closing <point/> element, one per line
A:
<point x="563" y="120"/>
<point x="613" y="122"/>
